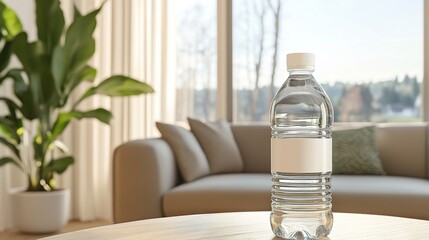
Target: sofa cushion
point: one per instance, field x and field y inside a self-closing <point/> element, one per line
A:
<point x="189" y="156"/>
<point x="254" y="142"/>
<point x="218" y="144"/>
<point x="220" y="193"/>
<point x="354" y="152"/>
<point x="387" y="195"/>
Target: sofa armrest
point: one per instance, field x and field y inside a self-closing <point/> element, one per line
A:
<point x="143" y="170"/>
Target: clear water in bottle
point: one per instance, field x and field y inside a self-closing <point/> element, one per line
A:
<point x="301" y="117"/>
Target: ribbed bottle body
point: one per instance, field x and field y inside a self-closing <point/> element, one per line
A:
<point x="301" y="159"/>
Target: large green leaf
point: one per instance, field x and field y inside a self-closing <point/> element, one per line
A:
<point x="67" y="75"/>
<point x="29" y="107"/>
<point x="80" y="29"/>
<point x="50" y="23"/>
<point x="88" y="73"/>
<point x="61" y="123"/>
<point x="100" y="114"/>
<point x="12" y="107"/>
<point x="79" y="44"/>
<point x="79" y="47"/>
<point x="118" y="85"/>
<point x="60" y="165"/>
<point x="11" y="146"/>
<point x="76" y="12"/>
<point x="10" y="125"/>
<point x="23" y="51"/>
<point x="9" y="21"/>
<point x="5" y="54"/>
<point x="122" y="86"/>
<point x="5" y="160"/>
<point x="8" y="129"/>
<point x="58" y="67"/>
<point x="83" y="53"/>
<point x="45" y="82"/>
<point x="67" y="69"/>
<point x="37" y="66"/>
<point x="64" y="119"/>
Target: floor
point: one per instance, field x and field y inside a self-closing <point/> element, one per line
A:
<point x="72" y="226"/>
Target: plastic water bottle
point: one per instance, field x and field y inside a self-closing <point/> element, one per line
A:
<point x="301" y="117"/>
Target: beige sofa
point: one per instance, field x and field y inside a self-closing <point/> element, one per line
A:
<point x="147" y="183"/>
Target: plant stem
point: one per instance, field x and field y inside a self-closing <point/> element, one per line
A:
<point x="44" y="122"/>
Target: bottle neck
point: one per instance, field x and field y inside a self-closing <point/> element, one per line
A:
<point x="300" y="72"/>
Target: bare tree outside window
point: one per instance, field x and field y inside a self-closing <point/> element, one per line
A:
<point x="196" y="60"/>
<point x="276" y="10"/>
<point x="259" y="33"/>
<point x="260" y="13"/>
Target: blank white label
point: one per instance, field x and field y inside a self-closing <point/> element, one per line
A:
<point x="301" y="155"/>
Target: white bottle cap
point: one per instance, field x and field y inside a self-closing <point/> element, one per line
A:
<point x="304" y="61"/>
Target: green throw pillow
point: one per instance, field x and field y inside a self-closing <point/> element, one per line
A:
<point x="354" y="152"/>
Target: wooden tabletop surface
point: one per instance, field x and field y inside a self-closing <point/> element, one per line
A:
<point x="252" y="225"/>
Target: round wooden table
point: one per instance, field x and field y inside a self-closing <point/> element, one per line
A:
<point x="252" y="225"/>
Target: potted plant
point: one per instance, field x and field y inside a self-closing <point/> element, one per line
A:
<point x="52" y="67"/>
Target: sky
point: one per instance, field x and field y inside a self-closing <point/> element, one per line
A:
<point x="354" y="41"/>
<point x="357" y="40"/>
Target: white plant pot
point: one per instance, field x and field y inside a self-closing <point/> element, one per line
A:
<point x="40" y="212"/>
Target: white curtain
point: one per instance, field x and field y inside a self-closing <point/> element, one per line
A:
<point x="135" y="38"/>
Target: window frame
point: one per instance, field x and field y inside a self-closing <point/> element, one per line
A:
<point x="225" y="94"/>
<point x="425" y="104"/>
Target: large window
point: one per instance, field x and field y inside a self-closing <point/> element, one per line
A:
<point x="369" y="55"/>
<point x="196" y="69"/>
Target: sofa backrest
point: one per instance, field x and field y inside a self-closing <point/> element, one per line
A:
<point x="401" y="147"/>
